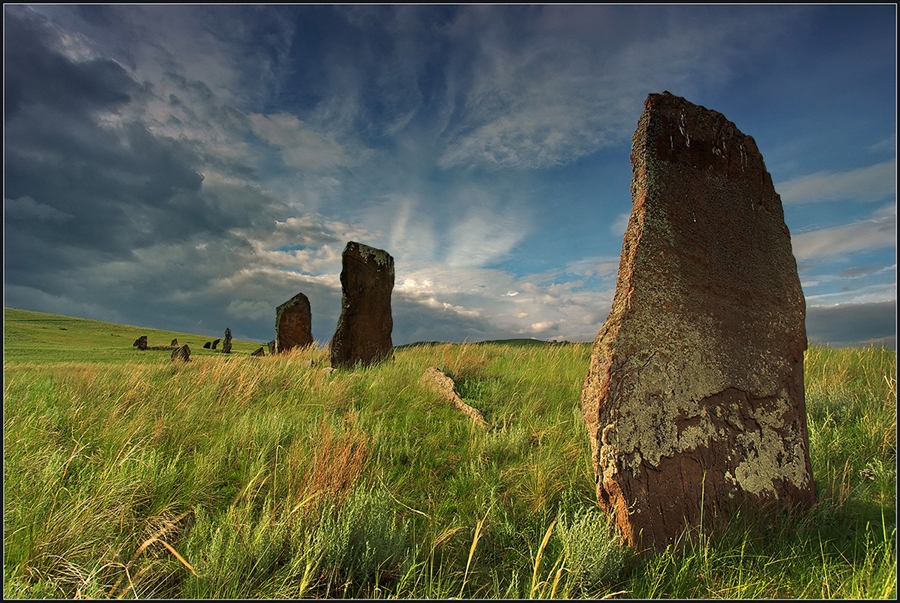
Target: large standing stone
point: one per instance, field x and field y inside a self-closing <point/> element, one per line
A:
<point x="226" y="345"/>
<point x="140" y="343"/>
<point x="363" y="334"/>
<point x="293" y="324"/>
<point x="694" y="396"/>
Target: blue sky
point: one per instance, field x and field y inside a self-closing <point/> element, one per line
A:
<point x="192" y="167"/>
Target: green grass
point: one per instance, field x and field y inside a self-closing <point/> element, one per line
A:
<point x="41" y="338"/>
<point x="232" y="476"/>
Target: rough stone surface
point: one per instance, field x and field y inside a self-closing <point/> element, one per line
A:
<point x="293" y="324"/>
<point x="174" y="343"/>
<point x="271" y="346"/>
<point x="694" y="394"/>
<point x="183" y="353"/>
<point x="207" y="345"/>
<point x="226" y="345"/>
<point x="261" y="351"/>
<point x="363" y="334"/>
<point x="215" y="343"/>
<point x="140" y="343"/>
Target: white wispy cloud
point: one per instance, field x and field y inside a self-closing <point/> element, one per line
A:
<point x="877" y="293"/>
<point x="301" y="146"/>
<point x="870" y="183"/>
<point x="880" y="230"/>
<point x="556" y="90"/>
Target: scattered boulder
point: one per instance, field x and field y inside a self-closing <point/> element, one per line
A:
<point x="215" y="343"/>
<point x="226" y="346"/>
<point x="293" y="324"/>
<point x="260" y="352"/>
<point x="271" y="345"/>
<point x="363" y="334"/>
<point x="140" y="343"/>
<point x="207" y="345"/>
<point x="183" y="353"/>
<point x="447" y="388"/>
<point x="174" y="343"/>
<point x="694" y="398"/>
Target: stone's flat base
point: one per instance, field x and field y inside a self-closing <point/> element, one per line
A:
<point x="694" y="397"/>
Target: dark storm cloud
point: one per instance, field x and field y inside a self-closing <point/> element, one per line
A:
<point x="79" y="176"/>
<point x="40" y="79"/>
<point x="853" y="324"/>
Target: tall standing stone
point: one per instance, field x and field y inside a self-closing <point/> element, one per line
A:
<point x="293" y="324"/>
<point x="226" y="345"/>
<point x="694" y="398"/>
<point x="363" y="334"/>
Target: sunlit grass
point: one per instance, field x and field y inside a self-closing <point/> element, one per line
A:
<point x="241" y="477"/>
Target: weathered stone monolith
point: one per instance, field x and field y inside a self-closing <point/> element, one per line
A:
<point x="271" y="346"/>
<point x="140" y="343"/>
<point x="174" y="343"/>
<point x="207" y="345"/>
<point x="226" y="345"/>
<point x="694" y="398"/>
<point x="293" y="324"/>
<point x="215" y="343"/>
<point x="260" y="351"/>
<point x="363" y="334"/>
<point x="183" y="353"/>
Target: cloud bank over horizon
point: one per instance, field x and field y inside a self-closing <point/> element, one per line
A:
<point x="192" y="167"/>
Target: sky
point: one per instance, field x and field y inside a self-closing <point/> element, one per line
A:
<point x="191" y="167"/>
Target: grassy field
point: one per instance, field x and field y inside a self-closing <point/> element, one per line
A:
<point x="127" y="475"/>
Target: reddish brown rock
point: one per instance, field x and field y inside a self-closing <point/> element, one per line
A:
<point x="293" y="324"/>
<point x="694" y="398"/>
<point x="363" y="334"/>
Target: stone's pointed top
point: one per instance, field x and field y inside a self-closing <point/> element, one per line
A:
<point x="300" y="298"/>
<point x="367" y="252"/>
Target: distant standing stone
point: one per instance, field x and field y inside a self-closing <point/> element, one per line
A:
<point x="293" y="324"/>
<point x="694" y="398"/>
<point x="215" y="343"/>
<point x="183" y="353"/>
<point x="140" y="343"/>
<point x="271" y="345"/>
<point x="174" y="343"/>
<point x="363" y="334"/>
<point x="226" y="346"/>
<point x="259" y="352"/>
<point x="207" y="345"/>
